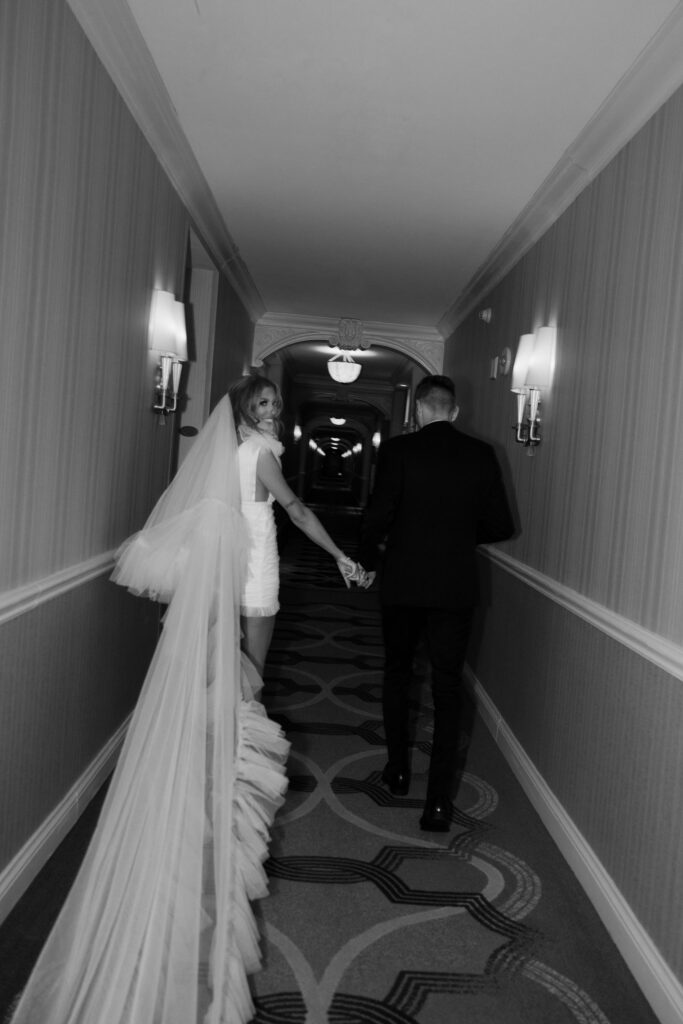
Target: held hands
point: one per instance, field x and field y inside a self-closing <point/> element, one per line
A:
<point x="349" y="570"/>
<point x="353" y="572"/>
<point x="368" y="578"/>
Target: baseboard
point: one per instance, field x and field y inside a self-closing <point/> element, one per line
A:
<point x="23" y="868"/>
<point x="659" y="985"/>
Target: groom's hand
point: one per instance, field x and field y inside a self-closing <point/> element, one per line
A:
<point x="366" y="578"/>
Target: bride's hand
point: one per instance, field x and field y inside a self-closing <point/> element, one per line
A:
<point x="349" y="569"/>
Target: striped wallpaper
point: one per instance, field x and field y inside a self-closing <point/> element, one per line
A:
<point x="600" y="502"/>
<point x="600" y="511"/>
<point x="89" y="226"/>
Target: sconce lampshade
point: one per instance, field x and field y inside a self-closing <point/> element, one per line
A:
<point x="540" y="372"/>
<point x="167" y="327"/>
<point x="343" y="368"/>
<point x="520" y="369"/>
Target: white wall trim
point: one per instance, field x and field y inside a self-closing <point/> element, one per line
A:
<point x="23" y="868"/>
<point x="648" y="84"/>
<point x="115" y="36"/>
<point x="657" y="981"/>
<point x="654" y="648"/>
<point x="24" y="599"/>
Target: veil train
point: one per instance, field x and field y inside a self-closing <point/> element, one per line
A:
<point x="158" y="927"/>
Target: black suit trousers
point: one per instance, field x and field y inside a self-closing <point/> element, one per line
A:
<point x="446" y="633"/>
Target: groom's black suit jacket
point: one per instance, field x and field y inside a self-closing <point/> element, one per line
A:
<point x="438" y="494"/>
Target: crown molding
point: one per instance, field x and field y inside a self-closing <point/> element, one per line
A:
<point x="114" y="35"/>
<point x="648" y="84"/>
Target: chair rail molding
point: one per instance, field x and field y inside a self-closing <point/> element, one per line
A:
<point x="654" y="648"/>
<point x="24" y="599"/>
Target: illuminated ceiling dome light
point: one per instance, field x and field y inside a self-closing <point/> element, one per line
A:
<point x="337" y="421"/>
<point x="343" y="368"/>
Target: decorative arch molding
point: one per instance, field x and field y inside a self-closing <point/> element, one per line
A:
<point x="275" y="331"/>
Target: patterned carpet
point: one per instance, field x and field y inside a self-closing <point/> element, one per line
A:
<point x="370" y="920"/>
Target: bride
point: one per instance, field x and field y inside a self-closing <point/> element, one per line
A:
<point x="158" y="927"/>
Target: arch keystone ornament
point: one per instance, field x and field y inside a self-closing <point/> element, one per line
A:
<point x="350" y="336"/>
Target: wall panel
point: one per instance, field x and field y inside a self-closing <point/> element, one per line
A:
<point x="602" y="725"/>
<point x="233" y="346"/>
<point x="599" y="512"/>
<point x="71" y="673"/>
<point x="599" y="500"/>
<point x="89" y="226"/>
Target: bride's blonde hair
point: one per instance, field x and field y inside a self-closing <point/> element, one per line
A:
<point x="245" y="393"/>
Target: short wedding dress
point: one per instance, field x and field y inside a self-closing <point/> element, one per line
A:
<point x="158" y="927"/>
<point x="262" y="573"/>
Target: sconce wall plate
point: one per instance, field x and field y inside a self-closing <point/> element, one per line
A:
<point x="168" y="340"/>
<point x="532" y="374"/>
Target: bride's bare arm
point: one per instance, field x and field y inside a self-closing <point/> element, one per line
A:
<point x="269" y="473"/>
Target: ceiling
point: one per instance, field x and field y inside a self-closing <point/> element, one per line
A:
<point x="381" y="160"/>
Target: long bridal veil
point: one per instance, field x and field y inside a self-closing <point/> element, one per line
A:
<point x="157" y="928"/>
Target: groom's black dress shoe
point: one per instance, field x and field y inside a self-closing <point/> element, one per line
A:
<point x="437" y="815"/>
<point x="397" y="779"/>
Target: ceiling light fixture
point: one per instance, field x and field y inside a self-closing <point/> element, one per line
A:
<point x="343" y="369"/>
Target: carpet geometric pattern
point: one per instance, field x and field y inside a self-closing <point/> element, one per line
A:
<point x="369" y="919"/>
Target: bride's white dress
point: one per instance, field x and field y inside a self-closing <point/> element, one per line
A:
<point x="261" y="582"/>
<point x="158" y="928"/>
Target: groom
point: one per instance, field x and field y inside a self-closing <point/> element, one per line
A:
<point x="438" y="494"/>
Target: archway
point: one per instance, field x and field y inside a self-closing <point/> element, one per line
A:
<point x="425" y="345"/>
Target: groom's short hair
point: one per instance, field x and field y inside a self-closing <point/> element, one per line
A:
<point x="437" y="392"/>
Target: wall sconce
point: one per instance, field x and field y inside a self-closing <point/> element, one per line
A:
<point x="296" y="433"/>
<point x="532" y="373"/>
<point x="376" y="439"/>
<point x="501" y="364"/>
<point x="343" y="368"/>
<point x="167" y="339"/>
